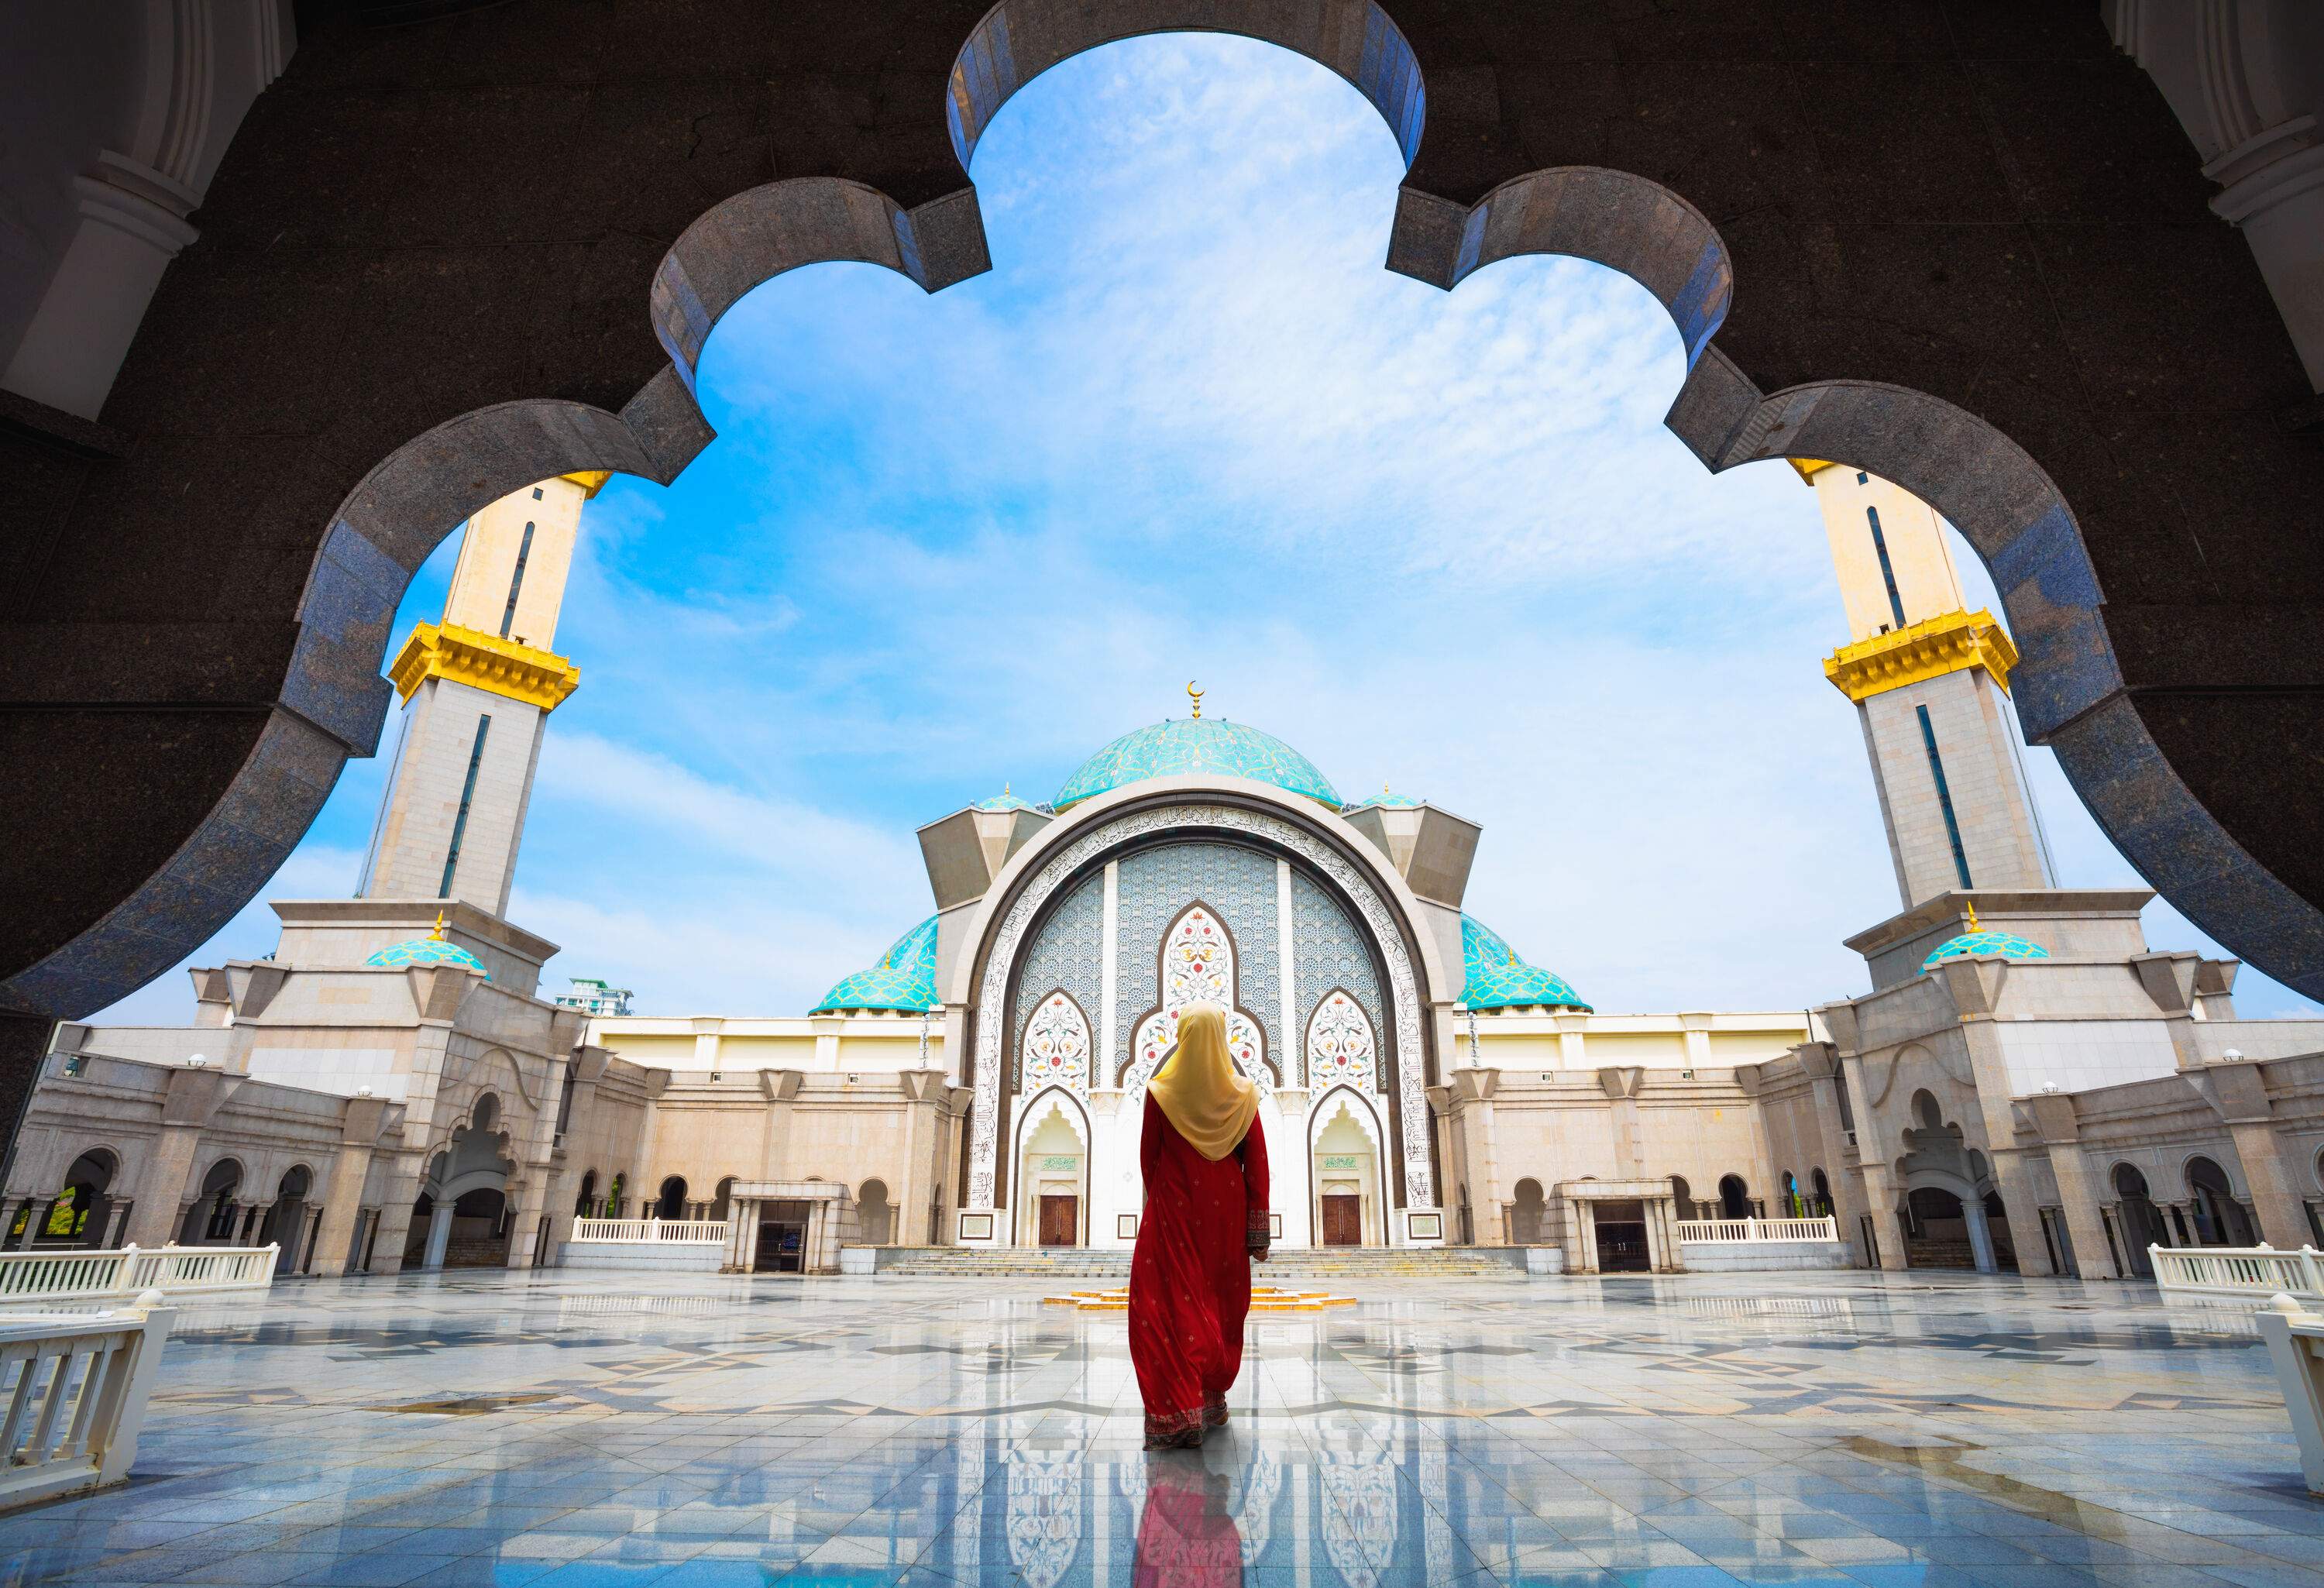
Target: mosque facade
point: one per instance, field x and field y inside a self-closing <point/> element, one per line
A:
<point x="2027" y="1085"/>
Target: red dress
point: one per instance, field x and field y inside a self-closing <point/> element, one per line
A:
<point x="1190" y="1278"/>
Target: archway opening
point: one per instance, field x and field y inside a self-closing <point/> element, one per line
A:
<point x="2220" y="1220"/>
<point x="1052" y="1177"/>
<point x="584" y="1201"/>
<point x="1681" y="1199"/>
<point x="1734" y="1197"/>
<point x="2140" y="1223"/>
<point x="1528" y="1214"/>
<point x="81" y="1214"/>
<point x="1346" y="1175"/>
<point x="721" y="1205"/>
<point x="288" y="1224"/>
<point x="874" y="1217"/>
<point x="670" y="1204"/>
<point x="1936" y="1229"/>
<point x="213" y="1219"/>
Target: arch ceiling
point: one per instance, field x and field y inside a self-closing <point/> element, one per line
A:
<point x="376" y="336"/>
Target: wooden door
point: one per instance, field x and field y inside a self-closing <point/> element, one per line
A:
<point x="1343" y="1220"/>
<point x="1060" y="1223"/>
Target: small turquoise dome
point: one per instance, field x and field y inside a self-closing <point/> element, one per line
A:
<point x="1985" y="942"/>
<point x="1498" y="979"/>
<point x="1386" y="801"/>
<point x="1194" y="745"/>
<point x="428" y="951"/>
<point x="904" y="979"/>
<point x="1004" y="801"/>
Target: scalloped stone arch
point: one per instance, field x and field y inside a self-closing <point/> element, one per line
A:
<point x="331" y="703"/>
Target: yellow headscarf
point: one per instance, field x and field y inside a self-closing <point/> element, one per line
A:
<point x="1198" y="1088"/>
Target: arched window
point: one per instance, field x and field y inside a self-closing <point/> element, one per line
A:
<point x="1734" y="1197"/>
<point x="583" y="1205"/>
<point x="1792" y="1207"/>
<point x="613" y="1198"/>
<point x="671" y="1203"/>
<point x="1821" y="1206"/>
<point x="1681" y="1199"/>
<point x="874" y="1218"/>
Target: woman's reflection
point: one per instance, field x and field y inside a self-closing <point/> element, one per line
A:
<point x="1187" y="1538"/>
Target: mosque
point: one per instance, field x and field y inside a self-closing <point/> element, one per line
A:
<point x="2026" y="1086"/>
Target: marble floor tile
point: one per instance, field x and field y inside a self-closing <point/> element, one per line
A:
<point x="493" y="1430"/>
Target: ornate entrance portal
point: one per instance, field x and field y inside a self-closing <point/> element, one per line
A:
<point x="1152" y="912"/>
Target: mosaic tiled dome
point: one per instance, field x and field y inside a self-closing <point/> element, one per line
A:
<point x="1182" y="746"/>
<point x="428" y="951"/>
<point x="904" y="979"/>
<point x="1985" y="942"/>
<point x="1004" y="801"/>
<point x="1498" y="979"/>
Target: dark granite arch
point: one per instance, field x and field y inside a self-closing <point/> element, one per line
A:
<point x="1927" y="244"/>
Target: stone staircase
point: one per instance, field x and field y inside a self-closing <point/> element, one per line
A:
<point x="1345" y="1265"/>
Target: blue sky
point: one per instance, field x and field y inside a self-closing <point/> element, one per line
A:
<point x="1188" y="427"/>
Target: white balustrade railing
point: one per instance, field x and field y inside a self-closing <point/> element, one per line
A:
<point x="692" y="1232"/>
<point x="70" y="1276"/>
<point x="1823" y="1229"/>
<point x="75" y="1386"/>
<point x="2295" y="1344"/>
<point x="2258" y="1272"/>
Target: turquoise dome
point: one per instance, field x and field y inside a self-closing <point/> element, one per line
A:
<point x="1199" y="744"/>
<point x="428" y="951"/>
<point x="904" y="979"/>
<point x="1985" y="942"/>
<point x="1498" y="979"/>
<point x="1386" y="801"/>
<point x="1004" y="801"/>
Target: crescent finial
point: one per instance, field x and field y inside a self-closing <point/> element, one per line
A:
<point x="1196" y="696"/>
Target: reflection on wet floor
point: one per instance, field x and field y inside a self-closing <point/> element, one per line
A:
<point x="1654" y="1433"/>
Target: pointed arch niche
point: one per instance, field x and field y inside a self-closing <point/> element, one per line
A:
<point x="1196" y="964"/>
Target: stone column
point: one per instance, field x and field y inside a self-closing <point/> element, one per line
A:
<point x="528" y="1199"/>
<point x="1887" y="1229"/>
<point x="163" y="1191"/>
<point x="2239" y="1091"/>
<point x="439" y="1235"/>
<point x="361" y="1127"/>
<point x="1981" y="1234"/>
<point x="2055" y="1117"/>
<point x="2014" y="1183"/>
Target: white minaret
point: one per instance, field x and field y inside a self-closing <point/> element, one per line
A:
<point x="1928" y="679"/>
<point x="477" y="691"/>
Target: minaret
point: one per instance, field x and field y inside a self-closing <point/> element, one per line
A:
<point x="1928" y="679"/>
<point x="478" y="689"/>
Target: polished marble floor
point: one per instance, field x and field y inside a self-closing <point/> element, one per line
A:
<point x="571" y="1430"/>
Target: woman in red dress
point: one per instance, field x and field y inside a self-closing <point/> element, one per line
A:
<point x="1205" y="1165"/>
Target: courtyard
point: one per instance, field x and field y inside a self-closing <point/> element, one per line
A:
<point x="1850" y="1427"/>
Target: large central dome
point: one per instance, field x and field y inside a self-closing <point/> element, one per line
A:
<point x="1195" y="745"/>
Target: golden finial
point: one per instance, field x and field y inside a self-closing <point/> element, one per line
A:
<point x="439" y="933"/>
<point x="1196" y="696"/>
<point x="1383" y="788"/>
<point x="1972" y="918"/>
<point x="1004" y="788"/>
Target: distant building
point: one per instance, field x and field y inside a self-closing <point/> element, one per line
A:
<point x="592" y="996"/>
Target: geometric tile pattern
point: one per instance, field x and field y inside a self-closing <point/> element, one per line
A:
<point x="904" y="979"/>
<point x="1067" y="955"/>
<point x="570" y="1430"/>
<point x="1156" y="887"/>
<point x="1196" y="744"/>
<point x="1498" y="979"/>
<point x="1327" y="950"/>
